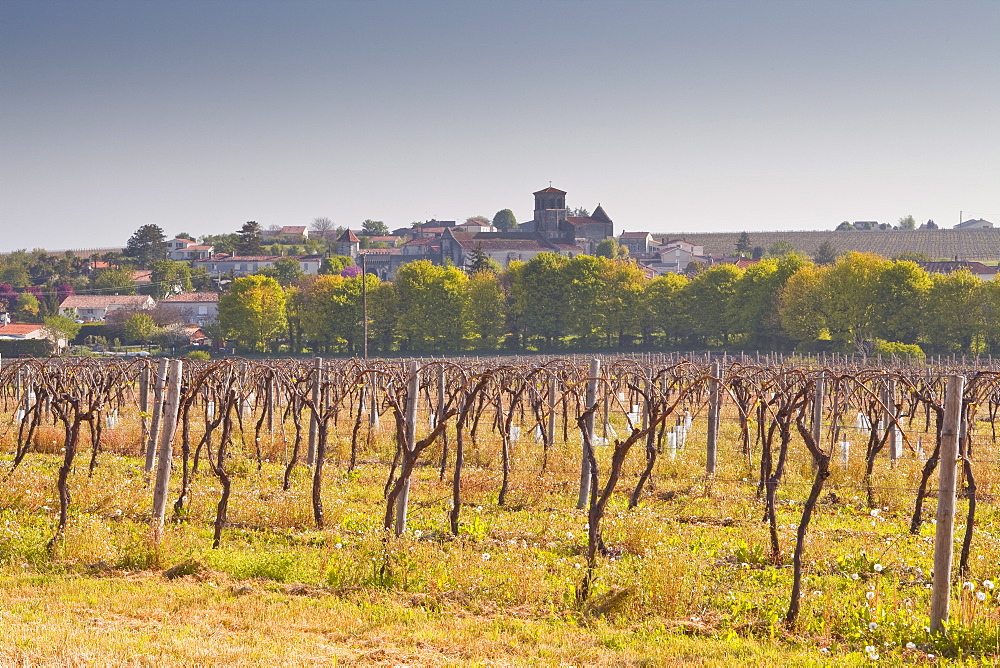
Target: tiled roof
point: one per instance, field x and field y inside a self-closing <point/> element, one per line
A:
<point x="293" y="229"/>
<point x="570" y="247"/>
<point x="584" y="220"/>
<point x="348" y="237"/>
<point x="222" y="257"/>
<point x="103" y="301"/>
<point x="202" y="297"/>
<point x="380" y="251"/>
<point x="19" y="329"/>
<point x="423" y="241"/>
<point x="501" y="245"/>
<point x="142" y="276"/>
<point x="634" y="235"/>
<point x="550" y="189"/>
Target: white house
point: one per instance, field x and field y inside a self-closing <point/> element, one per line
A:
<point x="95" y="308"/>
<point x="190" y="308"/>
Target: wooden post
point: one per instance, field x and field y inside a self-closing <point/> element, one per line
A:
<point x="144" y="401"/>
<point x="364" y="305"/>
<point x="551" y="434"/>
<point x="890" y="419"/>
<point x="943" y="538"/>
<point x="714" y="396"/>
<point x="314" y="416"/>
<point x="154" y="430"/>
<point x="818" y="398"/>
<point x="168" y="427"/>
<point x="595" y="371"/>
<point x="410" y="441"/>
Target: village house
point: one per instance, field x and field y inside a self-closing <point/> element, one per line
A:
<point x="185" y="250"/>
<point x="95" y="308"/>
<point x="244" y="265"/>
<point x="25" y="331"/>
<point x="189" y="308"/>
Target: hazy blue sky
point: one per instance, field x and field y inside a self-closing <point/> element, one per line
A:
<point x="676" y="116"/>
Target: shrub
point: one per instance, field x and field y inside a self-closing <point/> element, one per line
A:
<point x="889" y="348"/>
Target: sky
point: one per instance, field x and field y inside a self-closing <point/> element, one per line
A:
<point x="675" y="116"/>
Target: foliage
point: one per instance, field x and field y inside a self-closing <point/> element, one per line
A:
<point x="285" y="270"/>
<point x="253" y="312"/>
<point x="743" y="245"/>
<point x="60" y="327"/>
<point x="435" y="317"/>
<point x="147" y="245"/>
<point x="114" y="280"/>
<point x="335" y="264"/>
<point x="27" y="306"/>
<point x="480" y="261"/>
<point x="504" y="220"/>
<point x="198" y="355"/>
<point x="374" y="228"/>
<point x="827" y="253"/>
<point x="140" y="328"/>
<point x="250" y="239"/>
<point x="907" y="223"/>
<point x="170" y="277"/>
<point x="611" y="249"/>
<point x="901" y="350"/>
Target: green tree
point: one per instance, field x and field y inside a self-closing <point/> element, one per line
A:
<point x="335" y="264"/>
<point x="222" y="243"/>
<point x="802" y="309"/>
<point x="479" y="261"/>
<point x="27" y="306"/>
<point x="900" y="296"/>
<point x="383" y="312"/>
<point x="540" y="297"/>
<point x="907" y="223"/>
<point x="619" y="305"/>
<point x="780" y="248"/>
<point x="955" y="314"/>
<point x="250" y="239"/>
<point x="170" y="277"/>
<point x="433" y="316"/>
<point x="611" y="249"/>
<point x="754" y="308"/>
<point x="253" y="312"/>
<point x="114" y="280"/>
<point x="583" y="277"/>
<point x="146" y="246"/>
<point x="851" y="296"/>
<point x="743" y="245"/>
<point x="184" y="235"/>
<point x="487" y="310"/>
<point x="504" y="220"/>
<point x="707" y="302"/>
<point x="374" y="228"/>
<point x="60" y="328"/>
<point x="139" y="328"/>
<point x="826" y="253"/>
<point x="285" y="270"/>
<point x="662" y="311"/>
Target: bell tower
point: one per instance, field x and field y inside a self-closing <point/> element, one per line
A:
<point x="550" y="211"/>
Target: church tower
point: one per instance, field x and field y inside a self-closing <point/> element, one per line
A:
<point x="550" y="212"/>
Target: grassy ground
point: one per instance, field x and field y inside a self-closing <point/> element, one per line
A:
<point x="688" y="578"/>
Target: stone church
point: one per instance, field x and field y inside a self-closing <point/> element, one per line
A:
<point x="552" y="221"/>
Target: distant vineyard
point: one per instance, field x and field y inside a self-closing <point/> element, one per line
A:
<point x="977" y="245"/>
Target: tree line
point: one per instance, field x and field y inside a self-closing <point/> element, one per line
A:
<point x="862" y="302"/>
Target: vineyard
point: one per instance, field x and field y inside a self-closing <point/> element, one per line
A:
<point x="967" y="245"/>
<point x="632" y="509"/>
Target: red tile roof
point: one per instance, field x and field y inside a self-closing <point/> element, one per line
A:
<point x="635" y="235"/>
<point x="550" y="189"/>
<point x="19" y="329"/>
<point x="348" y="237"/>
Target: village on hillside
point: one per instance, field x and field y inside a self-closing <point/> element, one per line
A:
<point x="176" y="283"/>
